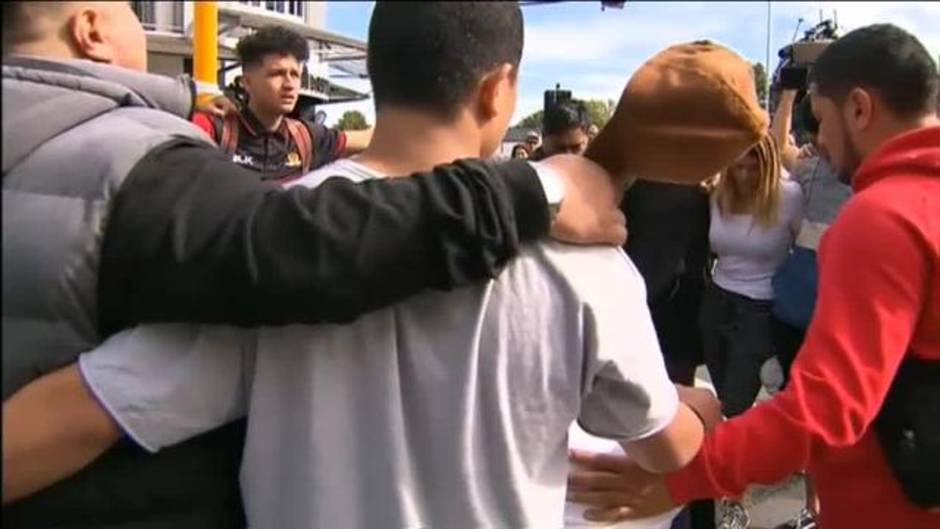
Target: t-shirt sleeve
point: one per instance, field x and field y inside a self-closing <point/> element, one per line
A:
<point x="793" y="203"/>
<point x="328" y="144"/>
<point x="164" y="384"/>
<point x="627" y="392"/>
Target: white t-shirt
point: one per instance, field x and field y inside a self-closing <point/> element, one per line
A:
<point x="750" y="254"/>
<point x="574" y="513"/>
<point x="447" y="410"/>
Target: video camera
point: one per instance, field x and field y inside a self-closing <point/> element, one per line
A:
<point x="555" y="97"/>
<point x="798" y="58"/>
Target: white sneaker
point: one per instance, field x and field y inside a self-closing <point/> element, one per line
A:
<point x="804" y="520"/>
<point x="732" y="515"/>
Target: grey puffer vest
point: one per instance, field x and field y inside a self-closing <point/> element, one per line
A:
<point x="72" y="131"/>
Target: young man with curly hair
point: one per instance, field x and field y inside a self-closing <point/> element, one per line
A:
<point x="261" y="136"/>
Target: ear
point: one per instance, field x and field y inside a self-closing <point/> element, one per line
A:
<point x="858" y="108"/>
<point x="247" y="79"/>
<point x="90" y="37"/>
<point x="493" y="87"/>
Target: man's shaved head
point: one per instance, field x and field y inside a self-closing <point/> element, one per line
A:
<point x="25" y="22"/>
<point x="107" y="32"/>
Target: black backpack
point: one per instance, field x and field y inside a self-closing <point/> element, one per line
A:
<point x="908" y="427"/>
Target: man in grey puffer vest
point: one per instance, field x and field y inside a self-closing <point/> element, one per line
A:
<point x="117" y="211"/>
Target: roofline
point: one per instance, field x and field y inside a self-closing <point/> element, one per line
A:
<point x="256" y="17"/>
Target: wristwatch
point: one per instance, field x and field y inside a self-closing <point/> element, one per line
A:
<point x="552" y="185"/>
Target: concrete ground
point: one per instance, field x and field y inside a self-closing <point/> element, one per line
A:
<point x="773" y="505"/>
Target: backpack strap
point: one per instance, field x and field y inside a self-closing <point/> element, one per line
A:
<point x="304" y="141"/>
<point x="228" y="138"/>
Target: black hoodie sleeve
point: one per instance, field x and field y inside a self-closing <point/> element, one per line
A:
<point x="194" y="237"/>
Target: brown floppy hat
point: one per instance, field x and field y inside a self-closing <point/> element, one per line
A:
<point x="685" y="115"/>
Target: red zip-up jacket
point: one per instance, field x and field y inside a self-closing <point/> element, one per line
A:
<point x="879" y="300"/>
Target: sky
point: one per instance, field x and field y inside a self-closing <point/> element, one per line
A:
<point x="593" y="52"/>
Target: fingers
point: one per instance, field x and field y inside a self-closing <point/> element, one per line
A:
<point x="221" y="106"/>
<point x="229" y="108"/>
<point x="606" y="499"/>
<point x="590" y="211"/>
<point x="592" y="480"/>
<point x="615" y="217"/>
<point x="615" y="228"/>
<point x="614" y="515"/>
<point x="613" y="463"/>
<point x="606" y="228"/>
<point x="617" y="236"/>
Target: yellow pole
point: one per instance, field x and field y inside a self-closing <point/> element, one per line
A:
<point x="206" y="47"/>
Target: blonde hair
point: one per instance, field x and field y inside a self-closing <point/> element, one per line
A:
<point x="764" y="204"/>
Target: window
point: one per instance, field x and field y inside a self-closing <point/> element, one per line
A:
<point x="297" y="8"/>
<point x="146" y="12"/>
<point x="286" y="7"/>
<point x="159" y="16"/>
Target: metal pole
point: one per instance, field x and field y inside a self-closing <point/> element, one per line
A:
<point x="206" y="42"/>
<point x="767" y="57"/>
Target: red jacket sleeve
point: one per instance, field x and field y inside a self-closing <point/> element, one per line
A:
<point x="874" y="266"/>
<point x="204" y="122"/>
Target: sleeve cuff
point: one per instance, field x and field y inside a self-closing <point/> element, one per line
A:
<point x="614" y="420"/>
<point x="552" y="183"/>
<point x="688" y="484"/>
<point x="87" y="373"/>
<point x="194" y="92"/>
<point x="207" y="88"/>
<point x="529" y="200"/>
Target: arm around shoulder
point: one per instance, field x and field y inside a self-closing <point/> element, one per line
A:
<point x="194" y="237"/>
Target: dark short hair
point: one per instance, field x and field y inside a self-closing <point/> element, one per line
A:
<point x="431" y="55"/>
<point x="882" y="57"/>
<point x="564" y="116"/>
<point x="271" y="40"/>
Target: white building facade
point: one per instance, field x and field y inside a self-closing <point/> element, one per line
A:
<point x="169" y="26"/>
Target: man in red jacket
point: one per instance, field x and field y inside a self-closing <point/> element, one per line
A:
<point x="874" y="92"/>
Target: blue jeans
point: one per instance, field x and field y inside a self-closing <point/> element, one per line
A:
<point x="682" y="520"/>
<point x="737" y="338"/>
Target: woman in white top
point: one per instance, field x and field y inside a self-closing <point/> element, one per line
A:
<point x="755" y="215"/>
